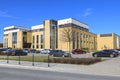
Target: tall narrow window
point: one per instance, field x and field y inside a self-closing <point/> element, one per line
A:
<point x="33" y="41"/>
<point x="37" y="40"/>
<point x="41" y="37"/>
<point x="14" y="37"/>
<point x="77" y="41"/>
<point x="73" y="40"/>
<point x="24" y="37"/>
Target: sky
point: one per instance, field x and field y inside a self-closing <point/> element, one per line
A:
<point x="102" y="16"/>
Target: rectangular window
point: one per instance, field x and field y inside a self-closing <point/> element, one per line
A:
<point x="105" y="35"/>
<point x="73" y="40"/>
<point x="77" y="41"/>
<point x="37" y="40"/>
<point x="24" y="37"/>
<point x="14" y="37"/>
<point x="37" y="46"/>
<point x="41" y="40"/>
<point x="33" y="46"/>
<point x="56" y="37"/>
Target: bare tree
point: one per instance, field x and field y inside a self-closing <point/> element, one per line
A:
<point x="67" y="36"/>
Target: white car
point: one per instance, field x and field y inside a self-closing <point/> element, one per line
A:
<point x="45" y="51"/>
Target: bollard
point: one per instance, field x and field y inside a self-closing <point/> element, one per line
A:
<point x="48" y="60"/>
<point x="19" y="60"/>
<point x="7" y="59"/>
<point x="33" y="59"/>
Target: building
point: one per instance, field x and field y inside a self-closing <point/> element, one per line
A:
<point x="1" y="45"/>
<point x="66" y="34"/>
<point x="73" y="34"/>
<point x="17" y="37"/>
<point x="108" y="41"/>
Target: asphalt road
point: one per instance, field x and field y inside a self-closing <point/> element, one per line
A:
<point x="23" y="74"/>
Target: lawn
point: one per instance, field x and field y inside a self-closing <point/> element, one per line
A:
<point x="25" y="58"/>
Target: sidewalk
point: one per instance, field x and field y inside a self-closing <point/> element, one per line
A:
<point x="109" y="67"/>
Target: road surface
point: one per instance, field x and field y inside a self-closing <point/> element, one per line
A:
<point x="25" y="74"/>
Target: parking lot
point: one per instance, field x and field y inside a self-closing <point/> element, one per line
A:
<point x="88" y="55"/>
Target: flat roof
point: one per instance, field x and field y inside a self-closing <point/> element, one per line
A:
<point x="37" y="27"/>
<point x="14" y="26"/>
<point x="74" y="21"/>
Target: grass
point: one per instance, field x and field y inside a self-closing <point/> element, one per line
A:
<point x="25" y="58"/>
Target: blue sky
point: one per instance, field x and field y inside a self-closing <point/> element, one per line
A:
<point x="102" y="16"/>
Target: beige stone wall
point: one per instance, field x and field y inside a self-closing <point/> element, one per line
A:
<point x="29" y="37"/>
<point x="47" y="34"/>
<point x="10" y="40"/>
<point x="35" y="35"/>
<point x="19" y="44"/>
<point x="103" y="42"/>
<point x="63" y="44"/>
<point x="89" y="42"/>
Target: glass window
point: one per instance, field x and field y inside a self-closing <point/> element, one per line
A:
<point x="37" y="46"/>
<point x="37" y="39"/>
<point x="41" y="40"/>
<point x="14" y="37"/>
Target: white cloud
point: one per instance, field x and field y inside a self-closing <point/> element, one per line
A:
<point x="87" y="12"/>
<point x="6" y="15"/>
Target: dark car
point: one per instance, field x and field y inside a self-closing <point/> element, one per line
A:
<point x="59" y="53"/>
<point x="78" y="51"/>
<point x="3" y="50"/>
<point x="106" y="53"/>
<point x="17" y="53"/>
<point x="33" y="51"/>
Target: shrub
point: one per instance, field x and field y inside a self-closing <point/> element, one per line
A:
<point x="84" y="61"/>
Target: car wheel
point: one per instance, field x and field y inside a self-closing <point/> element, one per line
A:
<point x="95" y="55"/>
<point x="111" y="55"/>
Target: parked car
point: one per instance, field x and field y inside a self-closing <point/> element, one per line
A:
<point x="26" y="50"/>
<point x="59" y="53"/>
<point x="78" y="51"/>
<point x="17" y="53"/>
<point x="33" y="51"/>
<point x="106" y="53"/>
<point x="44" y="51"/>
<point x="118" y="50"/>
<point x="3" y="50"/>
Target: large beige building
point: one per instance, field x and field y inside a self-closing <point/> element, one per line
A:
<point x="108" y="41"/>
<point x="66" y="34"/>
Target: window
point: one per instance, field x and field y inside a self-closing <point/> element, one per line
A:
<point x="37" y="40"/>
<point x="74" y="40"/>
<point x="41" y="40"/>
<point x="105" y="35"/>
<point x="33" y="47"/>
<point x="77" y="38"/>
<point x="37" y="46"/>
<point x="41" y="37"/>
<point x="14" y="37"/>
<point x="24" y="37"/>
